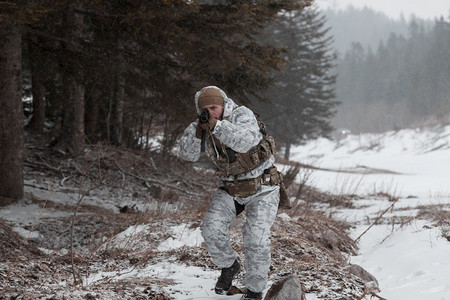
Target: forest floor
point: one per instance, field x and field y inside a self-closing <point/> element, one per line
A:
<point x="65" y="228"/>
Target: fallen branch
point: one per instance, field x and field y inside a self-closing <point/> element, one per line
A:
<point x="36" y="186"/>
<point x="376" y="220"/>
<point x="146" y="180"/>
<point x="64" y="180"/>
<point x="33" y="164"/>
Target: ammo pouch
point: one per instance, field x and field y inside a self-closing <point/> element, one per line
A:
<point x="285" y="202"/>
<point x="248" y="187"/>
<point x="242" y="188"/>
<point x="233" y="163"/>
<point x="272" y="176"/>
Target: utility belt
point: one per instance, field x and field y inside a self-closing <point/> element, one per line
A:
<point x="247" y="187"/>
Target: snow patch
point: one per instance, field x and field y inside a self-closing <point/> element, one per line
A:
<point x="182" y="236"/>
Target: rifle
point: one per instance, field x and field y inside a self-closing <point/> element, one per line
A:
<point x="203" y="118"/>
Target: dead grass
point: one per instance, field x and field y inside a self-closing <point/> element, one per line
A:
<point x="310" y="244"/>
<point x="14" y="246"/>
<point x="439" y="215"/>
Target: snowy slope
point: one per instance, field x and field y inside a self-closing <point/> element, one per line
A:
<point x="407" y="254"/>
<point x="406" y="249"/>
<point x="407" y="162"/>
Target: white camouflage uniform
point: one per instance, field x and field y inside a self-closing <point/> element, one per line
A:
<point x="238" y="130"/>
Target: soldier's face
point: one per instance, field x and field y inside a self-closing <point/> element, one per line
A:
<point x="215" y="111"/>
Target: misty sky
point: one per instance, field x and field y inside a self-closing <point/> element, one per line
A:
<point x="425" y="9"/>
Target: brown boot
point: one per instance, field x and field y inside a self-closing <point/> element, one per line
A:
<point x="226" y="278"/>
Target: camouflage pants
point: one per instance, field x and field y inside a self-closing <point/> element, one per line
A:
<point x="261" y="210"/>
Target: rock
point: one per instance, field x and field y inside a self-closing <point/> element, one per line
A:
<point x="370" y="282"/>
<point x="288" y="288"/>
<point x="331" y="240"/>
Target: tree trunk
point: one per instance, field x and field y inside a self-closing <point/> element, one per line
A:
<point x="11" y="115"/>
<point x="37" y="88"/>
<point x="287" y="152"/>
<point x="91" y="118"/>
<point x="72" y="132"/>
<point x="119" y="94"/>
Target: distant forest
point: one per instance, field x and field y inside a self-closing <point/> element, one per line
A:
<point x="391" y="74"/>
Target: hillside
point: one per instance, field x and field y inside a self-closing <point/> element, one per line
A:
<point x="121" y="224"/>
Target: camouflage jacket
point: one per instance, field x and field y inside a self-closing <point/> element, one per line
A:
<point x="237" y="130"/>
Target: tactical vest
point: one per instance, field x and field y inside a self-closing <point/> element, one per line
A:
<point x="229" y="162"/>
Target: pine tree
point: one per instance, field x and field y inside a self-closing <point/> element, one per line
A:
<point x="404" y="83"/>
<point x="302" y="99"/>
<point x="11" y="114"/>
<point x="129" y="63"/>
<point x="13" y="15"/>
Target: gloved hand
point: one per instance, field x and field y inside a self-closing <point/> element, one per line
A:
<point x="210" y="125"/>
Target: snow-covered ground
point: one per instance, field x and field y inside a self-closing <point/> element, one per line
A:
<point x="407" y="162"/>
<point x="410" y="259"/>
<point x="407" y="254"/>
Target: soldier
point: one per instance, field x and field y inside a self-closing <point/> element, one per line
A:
<point x="244" y="160"/>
